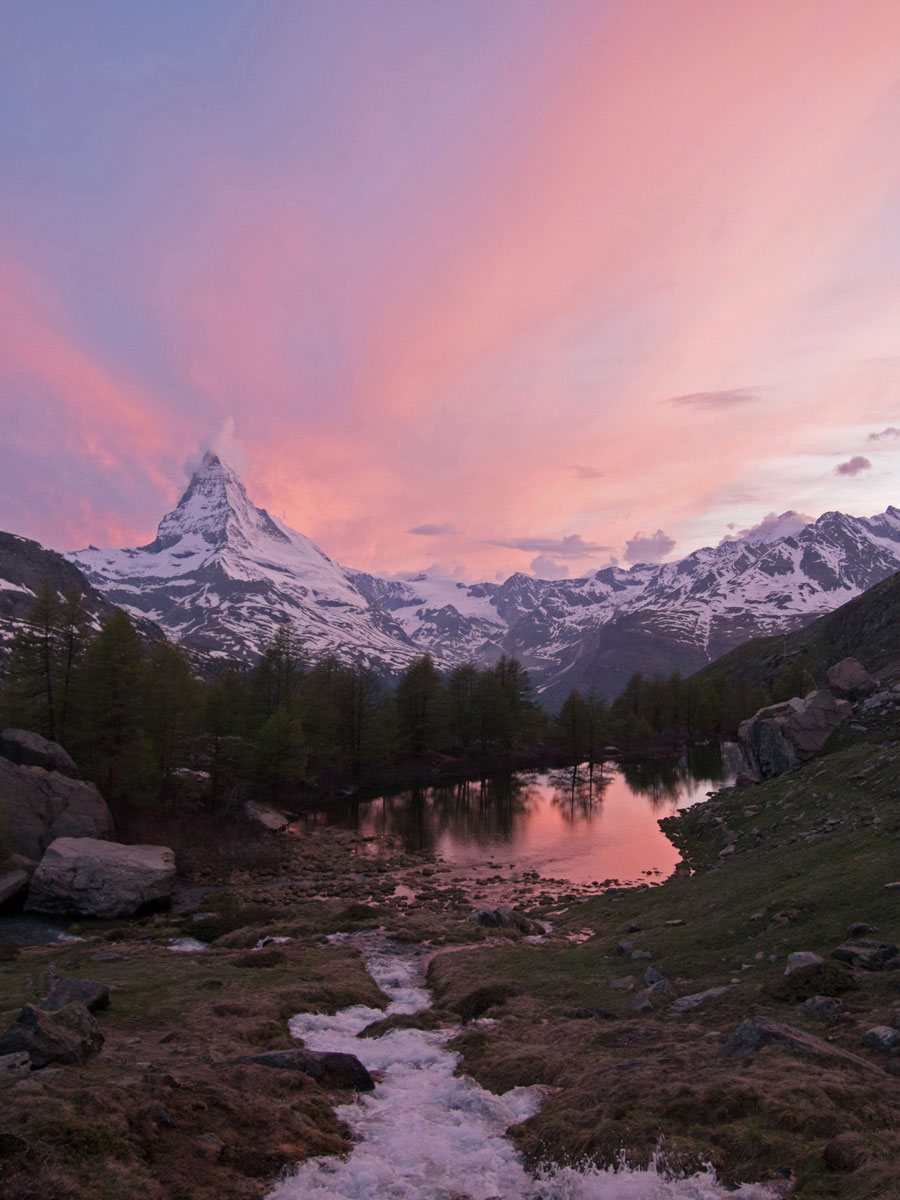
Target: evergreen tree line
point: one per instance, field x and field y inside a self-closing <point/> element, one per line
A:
<point x="137" y="719"/>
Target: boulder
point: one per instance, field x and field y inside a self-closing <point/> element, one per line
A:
<point x="15" y="871"/>
<point x="781" y="737"/>
<point x="89" y="992"/>
<point x="688" y="1003"/>
<point x="850" y="679"/>
<point x="330" y="1068"/>
<point x="868" y="956"/>
<point x="100" y="879"/>
<point x="802" y="958"/>
<point x="757" y="1032"/>
<point x="31" y="750"/>
<point x="37" y="806"/>
<point x="14" y="1067"/>
<point x="823" y="1008"/>
<point x="68" y="1036"/>
<point x="505" y="918"/>
<point x="881" y="1037"/>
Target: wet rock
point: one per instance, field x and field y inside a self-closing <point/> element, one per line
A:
<point x="89" y="992"/>
<point x="881" y="1037"/>
<point x="802" y="958"/>
<point x="28" y="749"/>
<point x="68" y="1036"/>
<point x="845" y="1152"/>
<point x="697" y="1000"/>
<point x="823" y="1008"/>
<point x="781" y="737"/>
<point x="850" y="679"/>
<point x="41" y="806"/>
<point x="329" y="1068"/>
<point x="868" y="956"/>
<point x="100" y="879"/>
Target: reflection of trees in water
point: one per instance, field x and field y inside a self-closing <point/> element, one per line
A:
<point x="578" y="790"/>
<point x="663" y="781"/>
<point x="479" y="811"/>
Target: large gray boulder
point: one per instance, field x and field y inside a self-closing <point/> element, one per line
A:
<point x="37" y="806"/>
<point x="100" y="879"/>
<point x="781" y="737"/>
<point x="29" y="749"/>
<point x="850" y="679"/>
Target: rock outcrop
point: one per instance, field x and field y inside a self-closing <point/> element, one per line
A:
<point x="781" y="737"/>
<point x="28" y="749"/>
<point x="850" y="680"/>
<point x="100" y="879"/>
<point x="38" y="806"/>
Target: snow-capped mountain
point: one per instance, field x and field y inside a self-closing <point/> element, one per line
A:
<point x="222" y="574"/>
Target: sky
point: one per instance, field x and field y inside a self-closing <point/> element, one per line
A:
<point x="527" y="285"/>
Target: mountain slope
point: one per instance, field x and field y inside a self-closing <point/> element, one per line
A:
<point x="221" y="574"/>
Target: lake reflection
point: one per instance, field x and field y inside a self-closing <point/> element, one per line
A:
<point x="580" y="825"/>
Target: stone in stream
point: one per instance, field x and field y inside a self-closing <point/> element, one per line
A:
<point x="329" y="1068"/>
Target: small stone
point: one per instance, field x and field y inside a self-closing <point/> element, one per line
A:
<point x="639" y="954"/>
<point x="676" y="921"/>
<point x="210" y="1146"/>
<point x="881" y="1037"/>
<point x="642" y="1002"/>
<point x="633" y="927"/>
<point x="624" y="947"/>
<point x="688" y="1003"/>
<point x="858" y="929"/>
<point x="823" y="1008"/>
<point x="802" y="958"/>
<point x="893" y="887"/>
<point x="624" y="984"/>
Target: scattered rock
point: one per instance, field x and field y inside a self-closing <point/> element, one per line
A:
<point x="28" y="749"/>
<point x="850" y="679"/>
<point x="505" y="918"/>
<point x="657" y="982"/>
<point x="868" y="956"/>
<point x="802" y="958"/>
<point x="326" y="1067"/>
<point x="881" y="1037"/>
<point x="266" y="815"/>
<point x="210" y="1146"/>
<point x="100" y="879"/>
<point x="42" y="806"/>
<point x="624" y="984"/>
<point x="858" y="929"/>
<point x="781" y="737"/>
<point x="89" y="992"/>
<point x="582" y="1014"/>
<point x="643" y="1001"/>
<point x="639" y="954"/>
<point x="823" y="1008"/>
<point x="68" y="1036"/>
<point x="675" y="921"/>
<point x="624" y="947"/>
<point x="757" y="1032"/>
<point x="845" y="1152"/>
<point x="14" y="1067"/>
<point x="108" y="956"/>
<point x="633" y="927"/>
<point x="687" y="1003"/>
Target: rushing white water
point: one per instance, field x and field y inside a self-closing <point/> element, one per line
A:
<point x="425" y="1134"/>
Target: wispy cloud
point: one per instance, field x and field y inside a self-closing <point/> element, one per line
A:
<point x="853" y="466"/>
<point x="648" y="548"/>
<point x="545" y="566"/>
<point x="587" y="472"/>
<point x="890" y="432"/>
<point x="440" y="530"/>
<point x="720" y="399"/>
<point x="573" y="546"/>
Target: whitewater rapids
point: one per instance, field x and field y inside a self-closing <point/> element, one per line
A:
<point x="425" y="1134"/>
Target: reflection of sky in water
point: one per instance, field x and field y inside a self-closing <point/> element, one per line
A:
<point x="564" y="824"/>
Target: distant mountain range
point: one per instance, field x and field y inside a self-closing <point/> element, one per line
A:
<point x="221" y="575"/>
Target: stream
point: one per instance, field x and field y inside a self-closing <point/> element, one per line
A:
<point x="426" y="1134"/>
